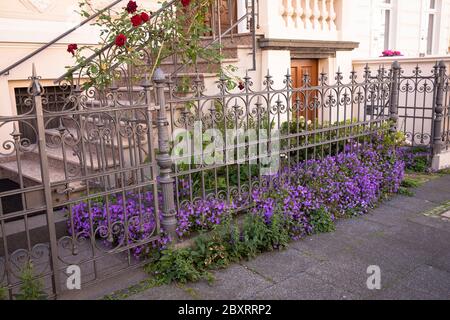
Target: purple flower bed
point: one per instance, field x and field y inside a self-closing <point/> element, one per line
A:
<point x="343" y="185"/>
<point x="134" y="212"/>
<point x="347" y="184"/>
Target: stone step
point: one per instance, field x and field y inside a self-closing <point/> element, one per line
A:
<point x="30" y="171"/>
<point x="57" y="158"/>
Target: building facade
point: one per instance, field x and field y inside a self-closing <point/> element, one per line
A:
<point x="299" y="36"/>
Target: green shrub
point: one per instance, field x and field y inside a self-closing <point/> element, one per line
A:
<point x="410" y="183"/>
<point x="405" y="192"/>
<point x="3" y="293"/>
<point x="176" y="266"/>
<point x="420" y="164"/>
<point x="210" y="253"/>
<point x="322" y="222"/>
<point x="31" y="288"/>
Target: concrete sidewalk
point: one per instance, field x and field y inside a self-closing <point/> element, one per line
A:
<point x="412" y="250"/>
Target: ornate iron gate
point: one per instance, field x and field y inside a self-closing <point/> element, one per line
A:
<point x="101" y="155"/>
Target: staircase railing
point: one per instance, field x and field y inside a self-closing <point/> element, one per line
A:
<point x="251" y="18"/>
<point x="61" y="36"/>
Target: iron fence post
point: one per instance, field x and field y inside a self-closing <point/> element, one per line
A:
<point x="438" y="108"/>
<point x="169" y="221"/>
<point x="393" y="101"/>
<point x="36" y="91"/>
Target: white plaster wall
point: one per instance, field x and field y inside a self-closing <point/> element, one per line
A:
<point x="422" y="101"/>
<point x="408" y="27"/>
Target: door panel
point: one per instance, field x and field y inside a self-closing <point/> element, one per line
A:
<point x="228" y="16"/>
<point x="302" y="70"/>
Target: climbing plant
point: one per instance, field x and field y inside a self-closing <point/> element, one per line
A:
<point x="132" y="36"/>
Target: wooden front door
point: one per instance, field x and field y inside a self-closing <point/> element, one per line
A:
<point x="227" y="13"/>
<point x="300" y="68"/>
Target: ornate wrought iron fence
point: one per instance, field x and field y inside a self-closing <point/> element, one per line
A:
<point x="249" y="132"/>
<point x="87" y="189"/>
<point x="446" y="114"/>
<point x="98" y="190"/>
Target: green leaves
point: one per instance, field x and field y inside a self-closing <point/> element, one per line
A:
<point x="176" y="266"/>
<point x="175" y="31"/>
<point x="321" y="221"/>
<point x="31" y="288"/>
<point x="3" y="293"/>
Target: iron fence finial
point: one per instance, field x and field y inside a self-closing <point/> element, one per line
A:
<point x="159" y="75"/>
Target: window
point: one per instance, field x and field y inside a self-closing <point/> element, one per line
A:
<point x="430" y="21"/>
<point x="383" y="20"/>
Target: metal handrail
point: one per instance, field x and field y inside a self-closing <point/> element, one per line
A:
<point x="252" y="13"/>
<point x="5" y="71"/>
<point x="108" y="46"/>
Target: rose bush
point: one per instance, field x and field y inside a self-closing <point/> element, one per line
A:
<point x="135" y="33"/>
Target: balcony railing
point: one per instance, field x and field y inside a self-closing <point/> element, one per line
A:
<point x="309" y="19"/>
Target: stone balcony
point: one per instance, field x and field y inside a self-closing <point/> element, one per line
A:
<point x="302" y="19"/>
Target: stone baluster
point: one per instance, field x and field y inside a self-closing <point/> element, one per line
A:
<point x="332" y="16"/>
<point x="308" y="15"/>
<point x="284" y="12"/>
<point x="325" y="26"/>
<point x="299" y="23"/>
<point x="316" y="15"/>
<point x="290" y="13"/>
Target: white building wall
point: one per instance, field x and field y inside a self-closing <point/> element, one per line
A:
<point x="408" y="27"/>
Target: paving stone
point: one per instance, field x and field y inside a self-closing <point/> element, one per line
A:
<point x="279" y="265"/>
<point x="434" y="194"/>
<point x="235" y="282"/>
<point x="347" y="271"/>
<point x="434" y="222"/>
<point x="428" y="279"/>
<point x="359" y="227"/>
<point x="436" y="190"/>
<point x="323" y="247"/>
<point x="400" y="292"/>
<point x="408" y="204"/>
<point x="303" y="287"/>
<point x="441" y="261"/>
<point x="171" y="292"/>
<point x="420" y="236"/>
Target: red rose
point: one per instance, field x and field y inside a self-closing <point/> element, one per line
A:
<point x="136" y="20"/>
<point x="145" y="17"/>
<point x="121" y="39"/>
<point x="71" y="48"/>
<point x="241" y="86"/>
<point x="185" y="3"/>
<point x="131" y="7"/>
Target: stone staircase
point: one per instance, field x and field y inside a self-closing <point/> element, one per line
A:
<point x="68" y="165"/>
